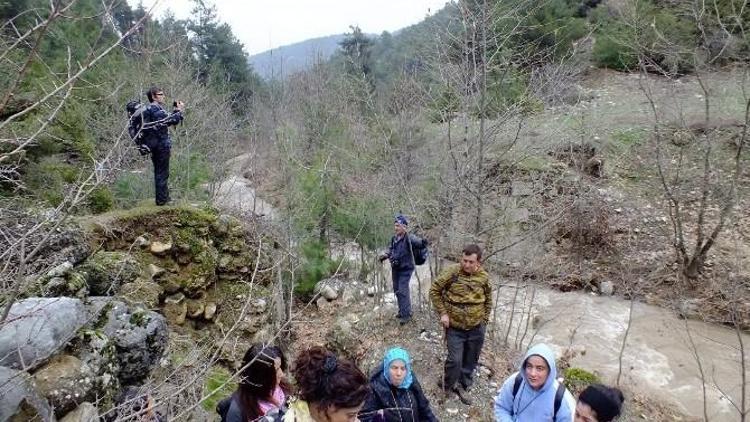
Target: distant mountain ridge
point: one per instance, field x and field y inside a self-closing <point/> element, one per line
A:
<point x="287" y="59"/>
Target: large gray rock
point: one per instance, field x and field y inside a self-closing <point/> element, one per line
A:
<point x="86" y="412"/>
<point x="36" y="328"/>
<point x="65" y="381"/>
<point x="139" y="336"/>
<point x="19" y="401"/>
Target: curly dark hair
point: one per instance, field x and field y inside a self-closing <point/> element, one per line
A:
<point x="327" y="381"/>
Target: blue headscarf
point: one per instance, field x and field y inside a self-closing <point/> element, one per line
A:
<point x="401" y="219"/>
<point x="398" y="353"/>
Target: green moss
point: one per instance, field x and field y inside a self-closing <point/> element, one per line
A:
<point x="576" y="379"/>
<point x="218" y="379"/>
<point x="138" y="318"/>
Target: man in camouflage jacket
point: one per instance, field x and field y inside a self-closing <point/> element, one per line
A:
<point x="462" y="296"/>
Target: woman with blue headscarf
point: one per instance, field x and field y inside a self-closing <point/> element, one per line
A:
<point x="396" y="395"/>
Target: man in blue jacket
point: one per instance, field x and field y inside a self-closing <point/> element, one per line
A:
<point x="401" y="255"/>
<point x="533" y="394"/>
<point x="156" y="121"/>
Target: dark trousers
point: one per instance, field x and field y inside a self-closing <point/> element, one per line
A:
<point x="464" y="347"/>
<point x="160" y="159"/>
<point x="401" y="289"/>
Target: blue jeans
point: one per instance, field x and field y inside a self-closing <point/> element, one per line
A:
<point x="401" y="289"/>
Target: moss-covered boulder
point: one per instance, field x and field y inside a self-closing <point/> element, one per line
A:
<point x="105" y="271"/>
<point x="145" y="293"/>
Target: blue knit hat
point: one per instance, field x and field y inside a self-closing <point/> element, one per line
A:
<point x="398" y="353"/>
<point x="401" y="219"/>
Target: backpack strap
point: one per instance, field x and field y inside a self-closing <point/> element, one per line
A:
<point x="559" y="394"/>
<point x="516" y="386"/>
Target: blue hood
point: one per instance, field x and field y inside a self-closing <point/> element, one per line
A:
<point x="529" y="405"/>
<point x="398" y="353"/>
<point x="548" y="355"/>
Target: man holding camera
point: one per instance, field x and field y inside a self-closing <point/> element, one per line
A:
<point x="156" y="138"/>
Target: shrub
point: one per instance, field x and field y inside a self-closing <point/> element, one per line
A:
<point x="576" y="379"/>
<point x="316" y="265"/>
<point x="100" y="200"/>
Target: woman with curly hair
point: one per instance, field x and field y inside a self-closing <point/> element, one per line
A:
<point x="329" y="389"/>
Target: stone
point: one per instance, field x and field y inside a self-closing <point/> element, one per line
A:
<point x="389" y="297"/>
<point x="210" y="312"/>
<point x="258" y="306"/>
<point x="61" y="270"/>
<point x="65" y="381"/>
<point x="142" y="292"/>
<point x="195" y="308"/>
<point x="175" y="312"/>
<point x="175" y="299"/>
<point x="607" y="288"/>
<point x="155" y="271"/>
<point x="159" y="248"/>
<point x="371" y="291"/>
<point x="690" y="308"/>
<point x="142" y="242"/>
<point x="324" y="289"/>
<point x="20" y="401"/>
<point x="322" y="304"/>
<point x="139" y="336"/>
<point x="37" y="328"/>
<point x="86" y="412"/>
<point x="105" y="272"/>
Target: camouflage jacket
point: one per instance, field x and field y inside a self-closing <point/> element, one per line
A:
<point x="467" y="299"/>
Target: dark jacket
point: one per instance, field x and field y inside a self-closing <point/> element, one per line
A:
<point x="155" y="125"/>
<point x="400" y="254"/>
<point x="410" y="404"/>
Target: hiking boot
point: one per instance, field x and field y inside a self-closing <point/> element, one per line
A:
<point x="404" y="321"/>
<point x="463" y="395"/>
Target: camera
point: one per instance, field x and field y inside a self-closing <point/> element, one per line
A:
<point x="174" y="103"/>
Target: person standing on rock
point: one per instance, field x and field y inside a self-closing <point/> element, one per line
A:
<point x="533" y="393"/>
<point x="462" y="296"/>
<point x="401" y="256"/>
<point x="156" y="138"/>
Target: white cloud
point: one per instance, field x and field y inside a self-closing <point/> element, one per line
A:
<point x="264" y="24"/>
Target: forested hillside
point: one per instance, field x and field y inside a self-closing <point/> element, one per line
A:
<point x="591" y="148"/>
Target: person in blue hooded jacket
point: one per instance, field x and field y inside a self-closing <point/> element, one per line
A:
<point x="396" y="395"/>
<point x="529" y="394"/>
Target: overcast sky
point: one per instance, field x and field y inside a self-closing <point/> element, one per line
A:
<point x="264" y="24"/>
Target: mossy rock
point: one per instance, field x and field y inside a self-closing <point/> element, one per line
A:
<point x="105" y="271"/>
<point x="146" y="293"/>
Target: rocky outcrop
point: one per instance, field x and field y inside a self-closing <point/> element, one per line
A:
<point x="66" y="382"/>
<point x="106" y="271"/>
<point x="139" y="337"/>
<point x="86" y="412"/>
<point x="20" y="402"/>
<point x="37" y="328"/>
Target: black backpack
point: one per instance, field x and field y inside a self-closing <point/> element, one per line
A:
<point x="559" y="394"/>
<point x="136" y="125"/>
<point x="419" y="252"/>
